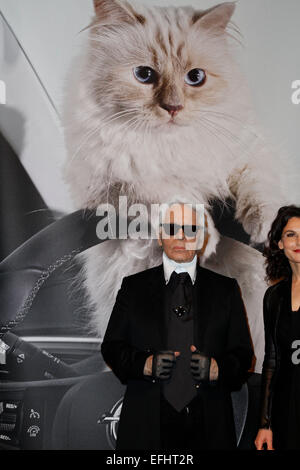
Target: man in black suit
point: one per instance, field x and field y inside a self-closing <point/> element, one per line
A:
<point x="178" y="338"/>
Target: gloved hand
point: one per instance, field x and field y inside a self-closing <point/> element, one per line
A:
<point x="163" y="363"/>
<point x="200" y="366"/>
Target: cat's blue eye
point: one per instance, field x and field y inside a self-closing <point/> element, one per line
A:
<point x="195" y="77"/>
<point x="145" y="74"/>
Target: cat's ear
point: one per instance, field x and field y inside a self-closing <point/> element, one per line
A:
<point x="114" y="11"/>
<point x="216" y="18"/>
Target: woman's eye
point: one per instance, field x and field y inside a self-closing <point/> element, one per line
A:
<point x="195" y="77"/>
<point x="145" y="74"/>
<point x="291" y="234"/>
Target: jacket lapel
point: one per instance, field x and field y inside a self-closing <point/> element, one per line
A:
<point x="155" y="307"/>
<point x="203" y="307"/>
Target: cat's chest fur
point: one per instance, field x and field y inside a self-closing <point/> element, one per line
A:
<point x="154" y="167"/>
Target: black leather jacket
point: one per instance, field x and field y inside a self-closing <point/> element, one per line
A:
<point x="272" y="307"/>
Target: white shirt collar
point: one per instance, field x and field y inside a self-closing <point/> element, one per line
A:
<point x="171" y="265"/>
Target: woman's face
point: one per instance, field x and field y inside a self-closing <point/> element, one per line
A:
<point x="290" y="240"/>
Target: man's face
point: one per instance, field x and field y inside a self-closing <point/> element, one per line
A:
<point x="179" y="247"/>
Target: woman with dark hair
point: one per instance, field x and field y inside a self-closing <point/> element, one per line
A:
<point x="280" y="393"/>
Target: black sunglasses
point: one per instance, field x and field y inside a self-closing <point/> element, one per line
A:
<point x="190" y="231"/>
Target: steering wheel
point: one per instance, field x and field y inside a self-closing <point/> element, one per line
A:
<point x="23" y="273"/>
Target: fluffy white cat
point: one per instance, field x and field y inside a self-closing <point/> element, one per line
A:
<point x="156" y="107"/>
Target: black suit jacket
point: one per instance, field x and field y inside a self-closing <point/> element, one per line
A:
<point x="137" y="329"/>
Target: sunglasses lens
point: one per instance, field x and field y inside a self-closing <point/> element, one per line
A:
<point x="190" y="231"/>
<point x="166" y="228"/>
<point x="171" y="229"/>
<point x="175" y="228"/>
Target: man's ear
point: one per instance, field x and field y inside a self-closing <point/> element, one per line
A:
<point x="114" y="11"/>
<point x="216" y="17"/>
<point x="206" y="238"/>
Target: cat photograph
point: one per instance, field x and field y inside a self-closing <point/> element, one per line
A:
<point x="142" y="64"/>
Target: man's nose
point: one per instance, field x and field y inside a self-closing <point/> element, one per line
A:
<point x="180" y="234"/>
<point x="171" y="108"/>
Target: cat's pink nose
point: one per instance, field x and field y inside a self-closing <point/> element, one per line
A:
<point x="172" y="109"/>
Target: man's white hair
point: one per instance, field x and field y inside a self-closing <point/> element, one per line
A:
<point x="179" y="201"/>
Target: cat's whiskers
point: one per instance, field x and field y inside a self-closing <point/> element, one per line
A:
<point x="133" y="125"/>
<point x="226" y="116"/>
<point x="116" y="118"/>
<point x="131" y="109"/>
<point x="145" y="131"/>
<point x="87" y="136"/>
<point x="211" y="129"/>
<point x="227" y="133"/>
<point x="235" y="119"/>
<point x="145" y="125"/>
<point x="128" y="124"/>
<point x="93" y="131"/>
<point x="148" y="128"/>
<point x="118" y="115"/>
<point x="226" y="138"/>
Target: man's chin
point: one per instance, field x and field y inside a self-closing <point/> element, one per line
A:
<point x="181" y="256"/>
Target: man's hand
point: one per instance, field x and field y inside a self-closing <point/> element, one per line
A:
<point x="160" y="364"/>
<point x="214" y="370"/>
<point x="148" y="366"/>
<point x="264" y="436"/>
<point x="204" y="368"/>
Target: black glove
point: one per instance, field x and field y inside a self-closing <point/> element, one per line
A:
<point x="162" y="364"/>
<point x="200" y="366"/>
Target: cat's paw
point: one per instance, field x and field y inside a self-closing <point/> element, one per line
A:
<point x="257" y="222"/>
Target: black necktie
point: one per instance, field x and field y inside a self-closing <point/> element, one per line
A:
<point x="181" y="286"/>
<point x="180" y="390"/>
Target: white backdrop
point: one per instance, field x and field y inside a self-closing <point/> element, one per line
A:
<point x="39" y="37"/>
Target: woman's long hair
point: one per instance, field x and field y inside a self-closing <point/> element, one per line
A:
<point x="277" y="264"/>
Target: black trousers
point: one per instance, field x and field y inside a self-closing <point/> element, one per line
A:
<point x="182" y="430"/>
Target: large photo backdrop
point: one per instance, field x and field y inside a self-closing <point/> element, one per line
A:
<point x="84" y="121"/>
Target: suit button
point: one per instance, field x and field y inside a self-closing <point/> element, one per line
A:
<point x="197" y="386"/>
<point x="153" y="381"/>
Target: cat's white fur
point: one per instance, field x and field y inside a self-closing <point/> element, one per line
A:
<point x="215" y="152"/>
